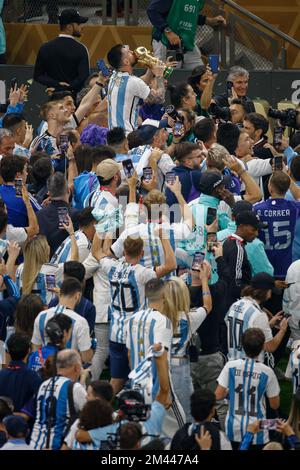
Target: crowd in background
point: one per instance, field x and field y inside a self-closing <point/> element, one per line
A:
<point x="149" y="236"/>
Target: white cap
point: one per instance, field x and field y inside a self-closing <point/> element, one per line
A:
<point x="151" y="122"/>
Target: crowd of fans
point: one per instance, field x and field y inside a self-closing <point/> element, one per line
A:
<point x="155" y="245"/>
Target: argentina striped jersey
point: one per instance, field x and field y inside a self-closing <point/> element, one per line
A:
<point x="244" y="314"/>
<point x="293" y="367"/>
<point x="40" y="286"/>
<point x="80" y="336"/>
<point x="63" y="252"/>
<point x="247" y="381"/>
<point x="123" y="95"/>
<point x="61" y="412"/>
<point x="144" y="329"/>
<point x="127" y="288"/>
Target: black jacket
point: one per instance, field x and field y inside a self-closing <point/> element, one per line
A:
<point x="62" y="60"/>
<point x="49" y="224"/>
<point x="184" y="438"/>
<point x="239" y="267"/>
<point x="209" y="331"/>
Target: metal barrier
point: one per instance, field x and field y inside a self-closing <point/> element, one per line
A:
<point x="236" y="44"/>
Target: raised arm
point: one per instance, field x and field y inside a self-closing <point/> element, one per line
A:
<point x="252" y="191"/>
<point x="208" y="90"/>
<point x="74" y="255"/>
<point x="33" y="227"/>
<point x="186" y="212"/>
<point x="90" y="98"/>
<point x="169" y="255"/>
<point x="206" y="295"/>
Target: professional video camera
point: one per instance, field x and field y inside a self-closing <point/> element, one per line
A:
<point x="218" y="112"/>
<point x="287" y="117"/>
<point x="179" y="52"/>
<point x="173" y="113"/>
<point x="131" y="405"/>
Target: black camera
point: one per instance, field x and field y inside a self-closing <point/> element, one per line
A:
<point x="287" y="117"/>
<point x="218" y="112"/>
<point x="132" y="405"/>
<point x="173" y="113"/>
<point x="179" y="52"/>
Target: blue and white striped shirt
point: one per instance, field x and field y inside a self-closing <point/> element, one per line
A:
<point x="144" y="329"/>
<point x="185" y="329"/>
<point x="127" y="287"/>
<point x="61" y="415"/>
<point x="153" y="250"/>
<point x="63" y="252"/>
<point x="80" y="336"/>
<point x="123" y="95"/>
<point x="244" y="314"/>
<point x="293" y="367"/>
<point x="248" y="381"/>
<point x="40" y="285"/>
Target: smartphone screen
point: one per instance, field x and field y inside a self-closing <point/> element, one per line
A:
<point x="170" y="177"/>
<point x="277" y="136"/>
<point x="229" y="89"/>
<point x="147" y="173"/>
<point x="178" y="129"/>
<point x="13" y="82"/>
<point x="103" y="68"/>
<point x="199" y="257"/>
<point x="63" y="144"/>
<point x="62" y="216"/>
<point x="211" y="215"/>
<point x="213" y="61"/>
<point x="268" y="424"/>
<point x="18" y="186"/>
<point x="50" y="281"/>
<point x="212" y="241"/>
<point x="278" y="163"/>
<point x="128" y="168"/>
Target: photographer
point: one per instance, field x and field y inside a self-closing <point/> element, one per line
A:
<point x="237" y="87"/>
<point x="175" y="26"/>
<point x="133" y="409"/>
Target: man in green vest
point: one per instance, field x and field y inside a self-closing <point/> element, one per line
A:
<point x="175" y="26"/>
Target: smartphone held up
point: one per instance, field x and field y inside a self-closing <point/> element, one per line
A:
<point x="128" y="168"/>
<point x="18" y="186"/>
<point x="63" y="217"/>
<point x="198" y="260"/>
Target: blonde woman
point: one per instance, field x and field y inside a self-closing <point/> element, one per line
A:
<point x="185" y="323"/>
<point x="36" y="275"/>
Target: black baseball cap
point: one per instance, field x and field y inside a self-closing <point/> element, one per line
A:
<point x="264" y="281"/>
<point x="241" y="206"/>
<point x="209" y="181"/>
<point x="70" y="15"/>
<point x="250" y="218"/>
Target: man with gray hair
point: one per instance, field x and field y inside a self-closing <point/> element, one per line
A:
<point x="7" y="143"/>
<point x="48" y="217"/>
<point x="59" y="399"/>
<point x="238" y="78"/>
